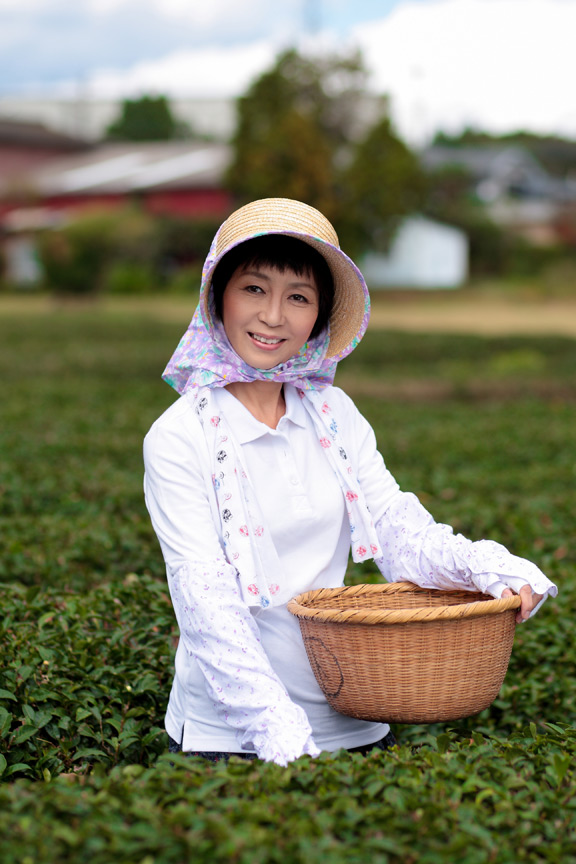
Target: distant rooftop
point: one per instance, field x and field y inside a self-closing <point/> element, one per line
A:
<point x="122" y="168"/>
<point x="36" y="134"/>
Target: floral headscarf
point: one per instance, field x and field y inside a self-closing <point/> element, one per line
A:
<point x="205" y="358"/>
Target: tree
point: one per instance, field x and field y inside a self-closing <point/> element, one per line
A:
<point x="299" y="136"/>
<point x="148" y="118"/>
<point x="291" y="160"/>
<point x="383" y="183"/>
<point x="294" y="123"/>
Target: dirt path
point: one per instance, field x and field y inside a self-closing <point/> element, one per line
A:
<point x="483" y="315"/>
<point x="451" y="313"/>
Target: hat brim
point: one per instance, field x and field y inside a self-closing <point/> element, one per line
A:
<point x="351" y="307"/>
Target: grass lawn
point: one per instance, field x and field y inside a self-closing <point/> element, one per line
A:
<point x="480" y="427"/>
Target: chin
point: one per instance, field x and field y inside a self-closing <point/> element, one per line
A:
<point x="266" y="366"/>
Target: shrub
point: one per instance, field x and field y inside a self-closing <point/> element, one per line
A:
<point x="127" y="277"/>
<point x="85" y="676"/>
<point x="77" y="258"/>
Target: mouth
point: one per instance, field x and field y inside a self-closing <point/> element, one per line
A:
<point x="267" y="342"/>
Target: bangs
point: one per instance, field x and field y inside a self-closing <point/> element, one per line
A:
<point x="279" y="252"/>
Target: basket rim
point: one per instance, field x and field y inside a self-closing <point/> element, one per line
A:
<point x="474" y="609"/>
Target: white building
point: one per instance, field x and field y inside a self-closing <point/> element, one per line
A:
<point x="89" y="118"/>
<point x="423" y="254"/>
<point x="209" y="118"/>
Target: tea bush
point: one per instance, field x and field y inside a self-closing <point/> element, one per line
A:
<point x="474" y="801"/>
<point x="87" y="630"/>
<point x="85" y="676"/>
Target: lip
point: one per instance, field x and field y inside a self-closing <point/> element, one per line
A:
<point x="262" y="345"/>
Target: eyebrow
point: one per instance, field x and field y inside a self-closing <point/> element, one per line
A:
<point x="260" y="275"/>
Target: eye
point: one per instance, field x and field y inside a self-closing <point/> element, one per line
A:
<point x="300" y="298"/>
<point x="253" y="289"/>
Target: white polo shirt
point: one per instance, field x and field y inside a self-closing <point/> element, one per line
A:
<point x="243" y="681"/>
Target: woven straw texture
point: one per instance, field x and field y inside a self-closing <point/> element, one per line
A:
<point x="293" y="218"/>
<point x="399" y="653"/>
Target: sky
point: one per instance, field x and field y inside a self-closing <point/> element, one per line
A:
<point x="499" y="65"/>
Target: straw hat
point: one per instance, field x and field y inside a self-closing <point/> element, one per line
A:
<point x="351" y="308"/>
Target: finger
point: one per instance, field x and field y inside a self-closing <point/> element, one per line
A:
<point x="509" y="593"/>
<point x="529" y="602"/>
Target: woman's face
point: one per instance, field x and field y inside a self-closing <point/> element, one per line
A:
<point x="268" y="315"/>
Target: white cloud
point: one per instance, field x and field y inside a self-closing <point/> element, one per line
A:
<point x="497" y="64"/>
<point x="213" y="71"/>
<point x="206" y="16"/>
<point x="24" y="5"/>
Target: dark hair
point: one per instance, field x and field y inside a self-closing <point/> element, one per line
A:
<point x="282" y="253"/>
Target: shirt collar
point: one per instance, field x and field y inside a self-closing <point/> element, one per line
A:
<point x="246" y="427"/>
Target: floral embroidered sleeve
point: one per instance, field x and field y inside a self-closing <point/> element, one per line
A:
<point x="222" y="636"/>
<point x="418" y="549"/>
<point x="215" y="624"/>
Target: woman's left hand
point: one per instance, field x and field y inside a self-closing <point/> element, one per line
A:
<point x="529" y="602"/>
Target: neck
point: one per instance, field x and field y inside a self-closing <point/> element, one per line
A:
<point x="264" y="399"/>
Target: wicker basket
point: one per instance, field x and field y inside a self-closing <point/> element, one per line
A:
<point x="403" y="654"/>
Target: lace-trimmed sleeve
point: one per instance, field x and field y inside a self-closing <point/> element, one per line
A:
<point x="222" y="636"/>
<point x="216" y="626"/>
<point x="418" y="549"/>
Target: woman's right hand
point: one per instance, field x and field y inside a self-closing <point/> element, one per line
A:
<point x="530" y="601"/>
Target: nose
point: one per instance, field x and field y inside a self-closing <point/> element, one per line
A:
<point x="272" y="311"/>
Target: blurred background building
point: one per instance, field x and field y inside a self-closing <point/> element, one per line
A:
<point x="419" y="206"/>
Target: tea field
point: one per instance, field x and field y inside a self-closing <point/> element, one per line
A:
<point x="481" y="428"/>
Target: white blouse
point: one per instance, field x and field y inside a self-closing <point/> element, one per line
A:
<point x="243" y="681"/>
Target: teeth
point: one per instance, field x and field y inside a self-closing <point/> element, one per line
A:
<point x="265" y="340"/>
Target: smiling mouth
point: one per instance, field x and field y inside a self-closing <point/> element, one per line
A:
<point x="266" y="340"/>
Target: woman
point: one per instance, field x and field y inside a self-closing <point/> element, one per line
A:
<point x="261" y="479"/>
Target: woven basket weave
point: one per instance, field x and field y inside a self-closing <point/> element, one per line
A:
<point x="403" y="654"/>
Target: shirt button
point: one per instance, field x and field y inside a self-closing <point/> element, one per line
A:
<point x="294" y="481"/>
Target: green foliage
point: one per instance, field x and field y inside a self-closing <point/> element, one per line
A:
<point x="80" y="391"/>
<point x="125" y="277"/>
<point x="292" y="122"/>
<point x="383" y="184"/>
<point x="124" y="251"/>
<point x="84" y="676"/>
<point x="472" y="801"/>
<point x="148" y="118"/>
<point x="78" y="258"/>
<point x="184" y="280"/>
<point x="324" y="89"/>
<point x="298" y="137"/>
<point x="74" y="258"/>
<point x="184" y="241"/>
<point x="85" y="615"/>
<point x="291" y="160"/>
